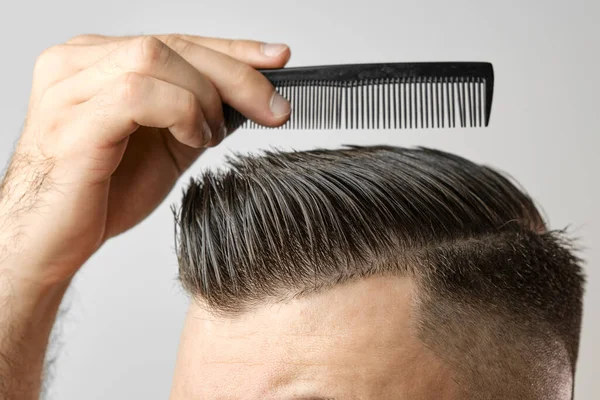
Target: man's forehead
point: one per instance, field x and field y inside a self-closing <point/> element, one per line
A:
<point x="354" y="339"/>
<point x="345" y="314"/>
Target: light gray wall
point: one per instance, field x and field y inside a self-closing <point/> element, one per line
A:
<point x="119" y="337"/>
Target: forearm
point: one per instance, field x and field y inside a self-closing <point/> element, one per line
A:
<point x="28" y="310"/>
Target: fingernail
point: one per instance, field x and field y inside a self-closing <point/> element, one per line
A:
<point x="206" y="133"/>
<point x="280" y="107"/>
<point x="222" y="131"/>
<point x="273" y="49"/>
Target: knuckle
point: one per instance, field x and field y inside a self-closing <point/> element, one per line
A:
<point x="49" y="118"/>
<point x="130" y="87"/>
<point x="149" y="53"/>
<point x="178" y="44"/>
<point x="171" y="40"/>
<point x="51" y="58"/>
<point x="235" y="47"/>
<point x="241" y="74"/>
<point x="78" y="39"/>
<point x="47" y="102"/>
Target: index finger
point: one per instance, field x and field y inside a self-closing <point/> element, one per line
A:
<point x="254" y="53"/>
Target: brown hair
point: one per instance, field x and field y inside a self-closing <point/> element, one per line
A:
<point x="491" y="277"/>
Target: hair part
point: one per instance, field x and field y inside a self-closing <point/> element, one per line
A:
<point x="282" y="225"/>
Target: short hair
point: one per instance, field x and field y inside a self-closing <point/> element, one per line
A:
<point x="499" y="295"/>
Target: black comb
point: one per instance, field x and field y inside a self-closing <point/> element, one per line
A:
<point x="381" y="96"/>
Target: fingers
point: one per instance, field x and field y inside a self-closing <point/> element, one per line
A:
<point x="60" y="62"/>
<point x="144" y="56"/>
<point x="135" y="99"/>
<point x="255" y="53"/>
<point x="238" y="84"/>
<point x="82" y="51"/>
<point x="211" y="75"/>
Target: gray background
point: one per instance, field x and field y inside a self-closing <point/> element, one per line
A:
<point x="119" y="336"/>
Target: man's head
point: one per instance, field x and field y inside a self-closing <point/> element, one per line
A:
<point x="372" y="273"/>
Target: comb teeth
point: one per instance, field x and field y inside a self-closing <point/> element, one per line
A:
<point x="406" y="102"/>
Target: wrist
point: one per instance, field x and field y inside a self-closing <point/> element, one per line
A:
<point x="29" y="295"/>
<point x="29" y="257"/>
<point x="23" y="268"/>
<point x="29" y="276"/>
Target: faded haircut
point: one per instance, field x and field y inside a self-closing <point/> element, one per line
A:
<point x="499" y="295"/>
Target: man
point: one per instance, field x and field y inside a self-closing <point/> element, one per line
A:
<point x="361" y="273"/>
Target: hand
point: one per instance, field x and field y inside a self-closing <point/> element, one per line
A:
<point x="112" y="124"/>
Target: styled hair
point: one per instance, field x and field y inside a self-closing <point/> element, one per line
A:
<point x="499" y="295"/>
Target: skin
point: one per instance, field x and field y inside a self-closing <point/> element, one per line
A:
<point x="355" y="341"/>
<point x="112" y="124"/>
